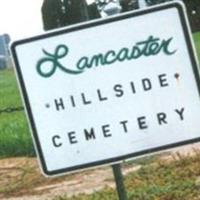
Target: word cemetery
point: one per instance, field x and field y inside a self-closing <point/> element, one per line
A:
<point x="123" y="126"/>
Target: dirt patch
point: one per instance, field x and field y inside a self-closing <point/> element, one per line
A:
<point x="21" y="178"/>
<point x="177" y="153"/>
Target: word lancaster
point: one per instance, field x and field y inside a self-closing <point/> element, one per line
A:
<point x="124" y="127"/>
<point x="149" y="47"/>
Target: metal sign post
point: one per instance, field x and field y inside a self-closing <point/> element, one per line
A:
<point x="119" y="180"/>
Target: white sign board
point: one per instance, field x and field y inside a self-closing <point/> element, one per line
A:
<point x="112" y="89"/>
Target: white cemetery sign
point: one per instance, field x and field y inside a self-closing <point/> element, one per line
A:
<point x="110" y="90"/>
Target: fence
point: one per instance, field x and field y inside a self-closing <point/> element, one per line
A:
<point x="11" y="110"/>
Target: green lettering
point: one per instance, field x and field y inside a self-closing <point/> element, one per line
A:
<point x="165" y="46"/>
<point x="123" y="54"/>
<point x="82" y="63"/>
<point x="110" y="57"/>
<point x="96" y="60"/>
<point x="150" y="47"/>
<point x="136" y="53"/>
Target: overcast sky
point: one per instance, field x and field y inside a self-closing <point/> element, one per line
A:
<point x="21" y="18"/>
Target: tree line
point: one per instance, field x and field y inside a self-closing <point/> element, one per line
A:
<point x="59" y="13"/>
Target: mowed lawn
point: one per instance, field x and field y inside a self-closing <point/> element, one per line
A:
<point x="15" y="138"/>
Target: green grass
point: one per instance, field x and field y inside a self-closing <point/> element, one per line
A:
<point x="8" y="90"/>
<point x="15" y="138"/>
<point x="161" y="180"/>
<point x="175" y="178"/>
<point x="196" y="37"/>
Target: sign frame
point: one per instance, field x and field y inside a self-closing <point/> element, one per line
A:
<point x="192" y="55"/>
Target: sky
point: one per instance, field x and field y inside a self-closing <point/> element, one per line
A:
<point x="21" y="18"/>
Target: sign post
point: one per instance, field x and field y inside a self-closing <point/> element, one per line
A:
<point x="110" y="90"/>
<point x="119" y="180"/>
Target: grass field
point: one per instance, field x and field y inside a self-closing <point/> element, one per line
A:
<point x="174" y="177"/>
<point x="161" y="180"/>
<point x="15" y="139"/>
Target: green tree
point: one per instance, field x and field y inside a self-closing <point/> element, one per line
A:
<point x="51" y="14"/>
<point x="193" y="11"/>
<point x="59" y="13"/>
